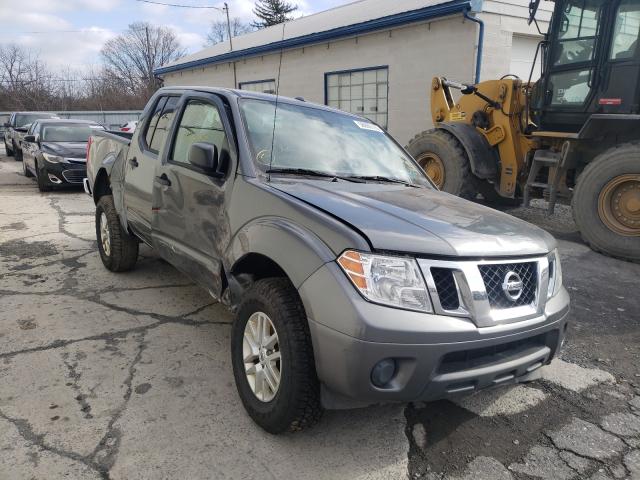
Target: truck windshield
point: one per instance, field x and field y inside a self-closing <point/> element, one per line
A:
<point x="68" y="133"/>
<point x="308" y="139"/>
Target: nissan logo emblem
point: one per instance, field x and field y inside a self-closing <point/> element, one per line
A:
<point x="512" y="286"/>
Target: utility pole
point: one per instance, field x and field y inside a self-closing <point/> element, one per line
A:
<point x="235" y="77"/>
<point x="226" y="9"/>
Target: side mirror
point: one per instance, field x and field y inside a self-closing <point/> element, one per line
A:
<point x="205" y="156"/>
<point x="30" y="138"/>
<point x="7" y="125"/>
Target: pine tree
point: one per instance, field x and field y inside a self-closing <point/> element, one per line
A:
<point x="272" y="12"/>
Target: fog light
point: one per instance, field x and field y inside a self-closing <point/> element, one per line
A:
<point x="383" y="372"/>
<point x="54" y="179"/>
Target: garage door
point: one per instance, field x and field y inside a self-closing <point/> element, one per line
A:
<point x="523" y="51"/>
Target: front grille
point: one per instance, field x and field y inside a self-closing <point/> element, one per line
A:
<point x="494" y="276"/>
<point x="446" y="287"/>
<point x="74" y="176"/>
<point x="482" y="357"/>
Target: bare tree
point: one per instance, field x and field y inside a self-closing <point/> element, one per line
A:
<point x="218" y="32"/>
<point x="132" y="56"/>
<point x="25" y="81"/>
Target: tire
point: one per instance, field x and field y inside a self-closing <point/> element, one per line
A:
<point x="121" y="252"/>
<point x="43" y="184"/>
<point x="458" y="179"/>
<point x="623" y="160"/>
<point x="17" y="152"/>
<point x="27" y="173"/>
<point x="296" y="403"/>
<point x="7" y="150"/>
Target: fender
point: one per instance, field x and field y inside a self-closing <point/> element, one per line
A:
<point x="602" y="124"/>
<point x="295" y="249"/>
<point x="111" y="168"/>
<point x="482" y="157"/>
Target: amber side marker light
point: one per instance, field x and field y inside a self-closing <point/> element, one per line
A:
<point x="351" y="262"/>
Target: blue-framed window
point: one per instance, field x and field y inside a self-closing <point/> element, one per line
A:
<point x="363" y="91"/>
<point x="262" y="86"/>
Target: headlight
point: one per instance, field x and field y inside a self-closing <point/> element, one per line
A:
<point x="394" y="281"/>
<point x="555" y="274"/>
<point x="52" y="158"/>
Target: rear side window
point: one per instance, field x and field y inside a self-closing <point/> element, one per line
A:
<point x="200" y="122"/>
<point x="164" y="124"/>
<point x="160" y="123"/>
<point x="157" y="111"/>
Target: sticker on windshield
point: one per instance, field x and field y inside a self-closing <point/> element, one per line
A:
<point x="368" y="126"/>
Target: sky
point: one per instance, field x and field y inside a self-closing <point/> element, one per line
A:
<point x="70" y="33"/>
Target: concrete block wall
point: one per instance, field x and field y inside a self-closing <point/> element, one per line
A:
<point x="414" y="55"/>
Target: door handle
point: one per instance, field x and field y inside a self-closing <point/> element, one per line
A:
<point x="134" y="162"/>
<point x="164" y="180"/>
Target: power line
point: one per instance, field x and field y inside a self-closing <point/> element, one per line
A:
<point x="180" y="6"/>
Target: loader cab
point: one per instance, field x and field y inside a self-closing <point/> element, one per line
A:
<point x="591" y="63"/>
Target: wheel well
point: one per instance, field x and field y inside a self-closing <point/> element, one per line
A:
<point x="249" y="269"/>
<point x="101" y="186"/>
<point x="257" y="266"/>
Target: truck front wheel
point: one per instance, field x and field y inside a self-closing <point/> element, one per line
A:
<point x="606" y="203"/>
<point x="272" y="358"/>
<point x="444" y="160"/>
<point x="118" y="248"/>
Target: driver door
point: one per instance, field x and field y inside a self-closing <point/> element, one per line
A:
<point x="571" y="76"/>
<point x="621" y="71"/>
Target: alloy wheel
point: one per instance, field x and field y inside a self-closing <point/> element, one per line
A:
<point x="261" y="356"/>
<point x="105" y="235"/>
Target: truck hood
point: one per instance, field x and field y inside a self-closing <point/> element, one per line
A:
<point x="421" y="220"/>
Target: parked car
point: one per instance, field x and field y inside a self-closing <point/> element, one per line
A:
<point x="352" y="278"/>
<point x="54" y="151"/>
<point x="16" y="128"/>
<point x="130" y="126"/>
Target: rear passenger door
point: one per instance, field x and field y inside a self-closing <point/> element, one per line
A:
<point x="191" y="226"/>
<point x="141" y="165"/>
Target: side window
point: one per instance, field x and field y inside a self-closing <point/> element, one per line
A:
<point x="164" y="124"/>
<point x="627" y="30"/>
<point x="578" y="30"/>
<point x="200" y="122"/>
<point x="154" y="120"/>
<point x="570" y="88"/>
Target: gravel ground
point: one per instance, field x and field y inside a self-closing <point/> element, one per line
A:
<point x="128" y="376"/>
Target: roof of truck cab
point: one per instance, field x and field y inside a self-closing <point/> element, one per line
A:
<point x="255" y="95"/>
<point x="355" y="18"/>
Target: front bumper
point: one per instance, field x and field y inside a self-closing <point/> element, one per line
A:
<point x="64" y="173"/>
<point x="436" y="356"/>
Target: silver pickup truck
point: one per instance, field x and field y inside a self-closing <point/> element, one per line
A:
<point x="353" y="279"/>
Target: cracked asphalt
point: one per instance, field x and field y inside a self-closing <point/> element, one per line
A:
<point x="128" y="376"/>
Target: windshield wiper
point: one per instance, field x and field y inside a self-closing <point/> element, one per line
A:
<point x="380" y="178"/>
<point x="313" y="173"/>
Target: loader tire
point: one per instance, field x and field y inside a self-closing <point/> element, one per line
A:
<point x="442" y="157"/>
<point x="606" y="203"/>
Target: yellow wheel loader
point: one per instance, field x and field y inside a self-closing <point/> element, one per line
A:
<point x="573" y="136"/>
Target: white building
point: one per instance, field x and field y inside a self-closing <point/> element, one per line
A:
<point x="373" y="57"/>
